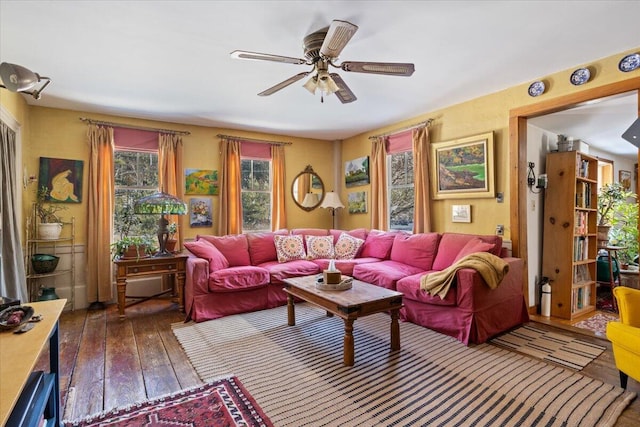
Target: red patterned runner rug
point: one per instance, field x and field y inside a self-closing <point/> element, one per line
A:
<point x="224" y="402"/>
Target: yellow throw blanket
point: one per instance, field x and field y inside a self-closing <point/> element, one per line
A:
<point x="491" y="268"/>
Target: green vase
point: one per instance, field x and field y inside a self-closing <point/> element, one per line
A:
<point x="48" y="294"/>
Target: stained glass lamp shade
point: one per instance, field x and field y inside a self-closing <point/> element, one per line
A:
<point x="163" y="204"/>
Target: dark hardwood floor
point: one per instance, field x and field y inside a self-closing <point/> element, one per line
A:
<point x="107" y="362"/>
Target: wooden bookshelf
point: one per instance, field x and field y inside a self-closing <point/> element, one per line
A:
<point x="570" y="235"/>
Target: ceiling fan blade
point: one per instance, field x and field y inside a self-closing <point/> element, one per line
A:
<point x="344" y="94"/>
<point x="338" y="35"/>
<point x="386" y="68"/>
<point x="282" y="85"/>
<point x="243" y="54"/>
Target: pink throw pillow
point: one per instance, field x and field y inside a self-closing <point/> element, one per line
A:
<point x="262" y="247"/>
<point x="347" y="246"/>
<point x="204" y="249"/>
<point x="289" y="248"/>
<point x="319" y="247"/>
<point x="234" y="247"/>
<point x="378" y="244"/>
<point x="417" y="250"/>
<point x="474" y="245"/>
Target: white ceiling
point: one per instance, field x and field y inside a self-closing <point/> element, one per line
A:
<point x="169" y="60"/>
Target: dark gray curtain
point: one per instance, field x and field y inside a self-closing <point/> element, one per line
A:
<point x="13" y="282"/>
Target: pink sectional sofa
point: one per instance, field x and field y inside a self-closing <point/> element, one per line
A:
<point x="240" y="273"/>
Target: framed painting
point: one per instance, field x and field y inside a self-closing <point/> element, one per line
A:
<point x="463" y="168"/>
<point x="357" y="202"/>
<point x="200" y="212"/>
<point x="625" y="179"/>
<point x="461" y="213"/>
<point x="62" y="178"/>
<point x="201" y="181"/>
<point x="356" y="172"/>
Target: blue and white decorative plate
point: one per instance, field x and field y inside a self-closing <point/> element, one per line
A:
<point x="629" y="63"/>
<point x="580" y="76"/>
<point x="536" y="88"/>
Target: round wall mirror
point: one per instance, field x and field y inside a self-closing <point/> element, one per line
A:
<point x="307" y="189"/>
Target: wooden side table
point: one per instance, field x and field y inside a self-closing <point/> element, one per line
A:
<point x="175" y="266"/>
<point x="26" y="395"/>
<point x="612" y="253"/>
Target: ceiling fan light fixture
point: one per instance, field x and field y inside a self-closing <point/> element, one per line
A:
<point x="311" y="85"/>
<point x="17" y="78"/>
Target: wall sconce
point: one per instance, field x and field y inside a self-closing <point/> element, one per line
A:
<point x="16" y="78"/>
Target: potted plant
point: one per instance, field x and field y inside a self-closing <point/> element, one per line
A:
<point x="609" y="198"/>
<point x="129" y="246"/>
<point x="624" y="232"/>
<point x="172" y="228"/>
<point x="50" y="226"/>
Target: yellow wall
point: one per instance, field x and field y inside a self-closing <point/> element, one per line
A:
<point x="60" y="134"/>
<point x="480" y="115"/>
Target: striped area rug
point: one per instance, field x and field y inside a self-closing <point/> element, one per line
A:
<point x="545" y="345"/>
<point x="295" y="373"/>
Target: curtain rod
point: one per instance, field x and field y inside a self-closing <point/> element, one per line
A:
<point x="426" y="123"/>
<point x="120" y="125"/>
<point x="259" y="141"/>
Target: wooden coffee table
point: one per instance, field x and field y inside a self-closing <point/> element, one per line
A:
<point x="361" y="300"/>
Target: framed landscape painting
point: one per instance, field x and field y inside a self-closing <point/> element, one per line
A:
<point x="463" y="168"/>
<point x="357" y="202"/>
<point x="356" y="172"/>
<point x="201" y="181"/>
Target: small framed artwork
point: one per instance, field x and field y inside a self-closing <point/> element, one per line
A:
<point x="201" y="181"/>
<point x="463" y="168"/>
<point x="625" y="179"/>
<point x="357" y="202"/>
<point x="63" y="179"/>
<point x="200" y="212"/>
<point x="461" y="213"/>
<point x="356" y="172"/>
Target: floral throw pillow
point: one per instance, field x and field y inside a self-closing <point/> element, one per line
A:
<point x="347" y="246"/>
<point x="319" y="247"/>
<point x="289" y="248"/>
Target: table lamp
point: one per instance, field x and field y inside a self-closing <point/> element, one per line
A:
<point x="163" y="204"/>
<point x="332" y="201"/>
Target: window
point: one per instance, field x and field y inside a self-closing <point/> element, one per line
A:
<point x="256" y="195"/>
<point x="136" y="176"/>
<point x="400" y="190"/>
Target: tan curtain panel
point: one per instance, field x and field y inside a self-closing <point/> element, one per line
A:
<point x="170" y="177"/>
<point x="100" y="213"/>
<point x="278" y="215"/>
<point x="422" y="208"/>
<point x="230" y="210"/>
<point x="379" y="210"/>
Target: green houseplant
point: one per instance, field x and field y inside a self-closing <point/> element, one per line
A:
<point x="610" y="197"/>
<point x="624" y="230"/>
<point x="129" y="246"/>
<point x="50" y="226"/>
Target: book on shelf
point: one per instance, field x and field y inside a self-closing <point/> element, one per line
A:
<point x="581" y="298"/>
<point x="581" y="274"/>
<point x="580" y="248"/>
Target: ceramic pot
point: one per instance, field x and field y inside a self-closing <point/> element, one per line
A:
<point x="170" y="246"/>
<point x="48" y="294"/>
<point x="49" y="230"/>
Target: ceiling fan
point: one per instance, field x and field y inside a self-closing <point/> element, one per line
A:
<point x="321" y="50"/>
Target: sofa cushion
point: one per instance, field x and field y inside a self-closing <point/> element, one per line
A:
<point x="384" y="273"/>
<point x="378" y="244"/>
<point x="347" y="246"/>
<point x="204" y="249"/>
<point x="452" y="243"/>
<point x="474" y="245"/>
<point x="319" y="247"/>
<point x="235" y="279"/>
<point x="289" y="248"/>
<point x="280" y="271"/>
<point x="418" y="250"/>
<point x="262" y="247"/>
<point x="360" y="233"/>
<point x="310" y="231"/>
<point x="345" y="265"/>
<point x="410" y="287"/>
<point x="234" y="247"/>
